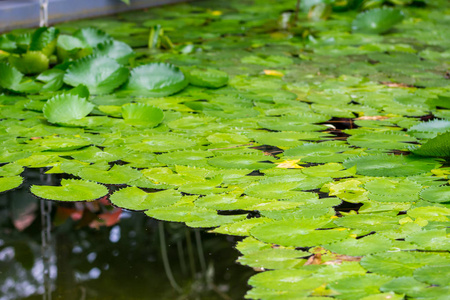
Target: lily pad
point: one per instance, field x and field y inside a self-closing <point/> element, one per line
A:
<point x="71" y="190"/>
<point x="209" y="78"/>
<point x="140" y="114"/>
<point x="100" y="74"/>
<point x="376" y="21"/>
<point x="65" y="108"/>
<point x="10" y="182"/>
<point x="155" y="80"/>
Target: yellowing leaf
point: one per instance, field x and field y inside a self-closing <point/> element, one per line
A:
<point x="289" y="164"/>
<point x="273" y="73"/>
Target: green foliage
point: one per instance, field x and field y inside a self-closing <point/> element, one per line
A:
<point x="66" y="108"/>
<point x="155" y="80"/>
<point x="376" y="21"/>
<point x="71" y="190"/>
<point x="299" y="144"/>
<point x="100" y="74"/>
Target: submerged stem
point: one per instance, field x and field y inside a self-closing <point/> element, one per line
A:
<point x="165" y="258"/>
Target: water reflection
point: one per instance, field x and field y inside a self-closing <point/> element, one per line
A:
<point x="69" y="259"/>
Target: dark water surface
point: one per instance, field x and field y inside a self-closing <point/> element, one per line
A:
<point x="121" y="261"/>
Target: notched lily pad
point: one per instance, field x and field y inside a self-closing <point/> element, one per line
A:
<point x="209" y="78"/>
<point x="71" y="190"/>
<point x="65" y="108"/>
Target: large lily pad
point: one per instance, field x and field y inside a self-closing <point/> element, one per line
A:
<point x="155" y="80"/>
<point x="71" y="190"/>
<point x="100" y="74"/>
<point x="66" y="108"/>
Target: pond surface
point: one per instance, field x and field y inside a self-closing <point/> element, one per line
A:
<point x="317" y="145"/>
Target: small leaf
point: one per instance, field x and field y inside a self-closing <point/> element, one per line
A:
<point x="142" y="114"/>
<point x="9" y="183"/>
<point x="65" y="108"/>
<point x="32" y="62"/>
<point x="209" y="78"/>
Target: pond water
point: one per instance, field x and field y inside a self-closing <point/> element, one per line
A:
<point x="125" y="260"/>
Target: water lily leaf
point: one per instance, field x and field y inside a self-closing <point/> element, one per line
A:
<point x="243" y="161"/>
<point x="155" y="80"/>
<point x="436" y="275"/>
<point x="435" y="126"/>
<point x="11" y="169"/>
<point x="376" y="21"/>
<point x="70" y="47"/>
<point x="134" y="198"/>
<point x="140" y="114"/>
<point x="274" y="258"/>
<point x="163" y="143"/>
<point x="358" y="247"/>
<point x="398" y="264"/>
<point x="92" y="36"/>
<point x="300" y="212"/>
<point x="100" y="74"/>
<point x="32" y="62"/>
<point x="59" y="143"/>
<point x="391" y="165"/>
<point x="10" y="182"/>
<point x="435" y="147"/>
<point x="404" y="285"/>
<point x="391" y="190"/>
<point x="320" y="153"/>
<point x="66" y="108"/>
<point x="71" y="190"/>
<point x="358" y="287"/>
<point x="437" y="194"/>
<point x="381" y="140"/>
<point x="333" y="170"/>
<point x="193" y="158"/>
<point x="209" y="78"/>
<point x="240" y="228"/>
<point x="119" y="51"/>
<point x="285" y="139"/>
<point x="370" y="222"/>
<point x="430" y="213"/>
<point x="44" y="39"/>
<point x="11" y="77"/>
<point x="53" y="79"/>
<point x="267" y="61"/>
<point x="116" y="175"/>
<point x="430" y="239"/>
<point x="297" y="233"/>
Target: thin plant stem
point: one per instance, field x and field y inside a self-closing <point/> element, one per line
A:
<point x="190" y="253"/>
<point x="162" y="240"/>
<point x="201" y="255"/>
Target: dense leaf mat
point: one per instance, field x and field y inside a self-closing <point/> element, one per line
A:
<point x="323" y="144"/>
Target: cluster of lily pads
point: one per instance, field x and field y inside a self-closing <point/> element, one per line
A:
<point x="324" y="145"/>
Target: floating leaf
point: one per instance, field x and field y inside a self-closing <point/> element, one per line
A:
<point x="142" y="114"/>
<point x="390" y="165"/>
<point x="92" y="36"/>
<point x="437" y="275"/>
<point x="71" y="190"/>
<point x="358" y="287"/>
<point x="436" y="147"/>
<point x="297" y="233"/>
<point x="65" y="108"/>
<point x="209" y="78"/>
<point x="155" y="80"/>
<point x="359" y="247"/>
<point x="376" y="21"/>
<point x="100" y="74"/>
<point x="44" y="39"/>
<point x="243" y="161"/>
<point x="136" y="199"/>
<point x="398" y="264"/>
<point x="436" y="194"/>
<point x="381" y="140"/>
<point x="9" y="183"/>
<point x="32" y="62"/>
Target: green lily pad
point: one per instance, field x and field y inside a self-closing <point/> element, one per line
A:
<point x="437" y="194"/>
<point x="243" y="161"/>
<point x="391" y="165"/>
<point x="119" y="51"/>
<point x="437" y="239"/>
<point x="398" y="264"/>
<point x="100" y="74"/>
<point x="10" y="182"/>
<point x="65" y="108"/>
<point x="92" y="36"/>
<point x="71" y="190"/>
<point x="140" y="114"/>
<point x="32" y="62"/>
<point x="358" y="287"/>
<point x="297" y="233"/>
<point x="437" y="275"/>
<point x="382" y="140"/>
<point x="155" y="80"/>
<point x="44" y="39"/>
<point x="359" y="247"/>
<point x="136" y="199"/>
<point x="376" y="21"/>
<point x="435" y="147"/>
<point x="209" y="78"/>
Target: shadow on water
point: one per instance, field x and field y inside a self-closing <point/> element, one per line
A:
<point x="52" y="250"/>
